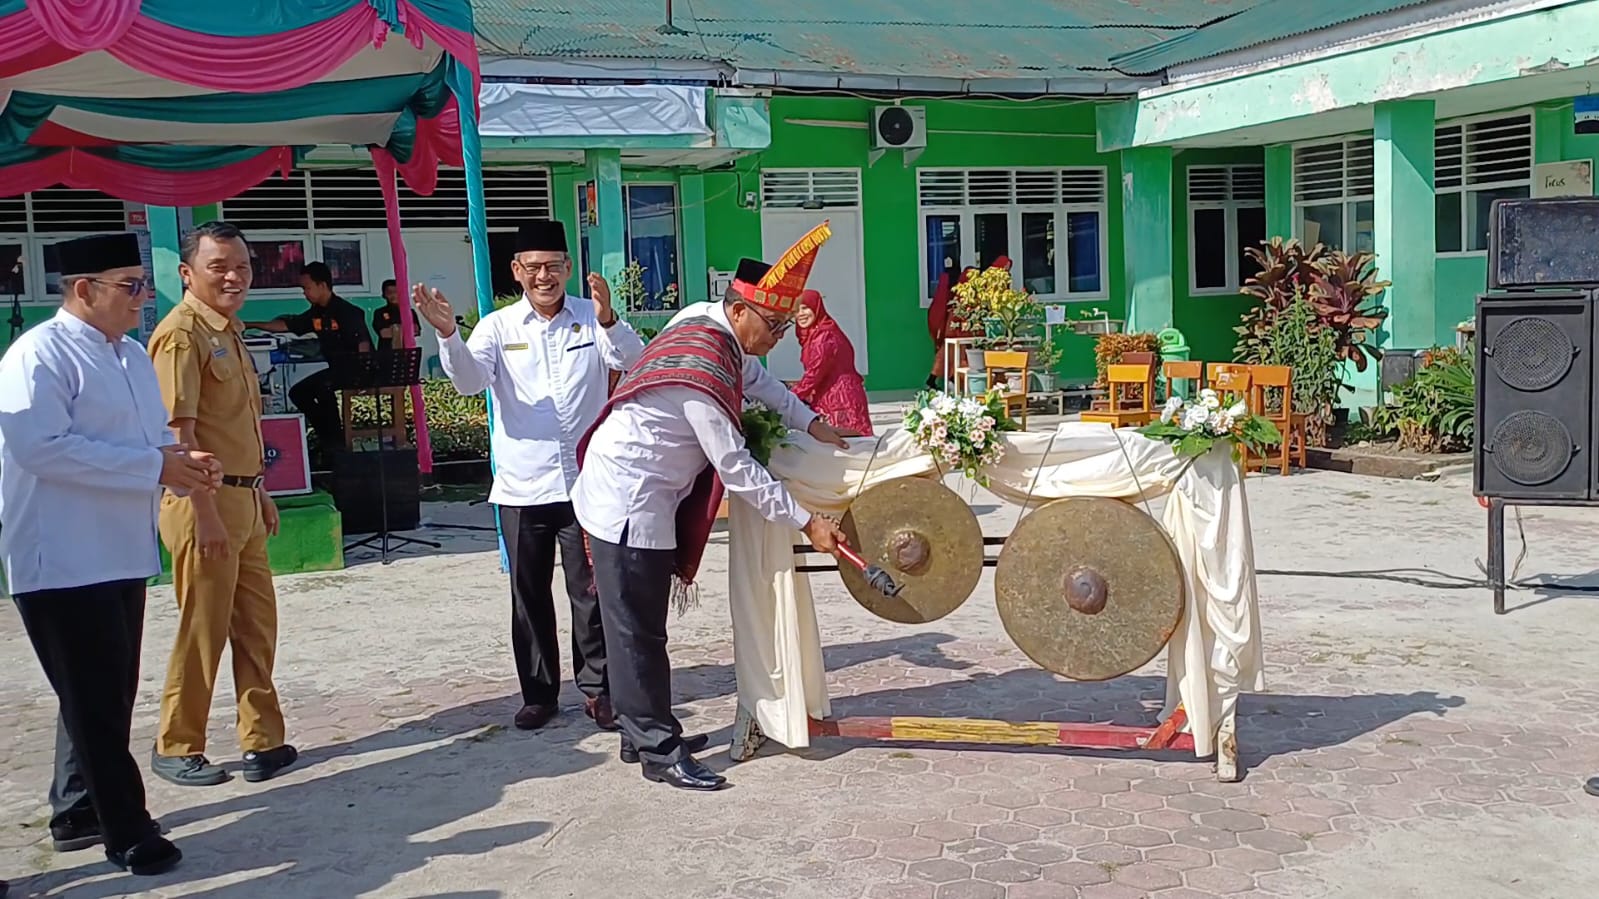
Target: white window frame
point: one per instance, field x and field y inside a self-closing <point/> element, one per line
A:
<point x="1467" y="186"/>
<point x="33" y="242"/>
<point x="968" y="213"/>
<point x="365" y="285"/>
<point x="311" y="238"/>
<point x="1347" y="198"/>
<point x="1230" y="207"/>
<point x="584" y="264"/>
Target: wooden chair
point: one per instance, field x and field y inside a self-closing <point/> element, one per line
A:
<point x="999" y="363"/>
<point x="1114" y="403"/>
<point x="1184" y="371"/>
<point x="1123" y="381"/>
<point x="395" y="429"/>
<point x="1281" y="414"/>
<point x="1212" y="369"/>
<point x="1232" y="383"/>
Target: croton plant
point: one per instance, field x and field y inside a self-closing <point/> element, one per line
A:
<point x="1341" y="287"/>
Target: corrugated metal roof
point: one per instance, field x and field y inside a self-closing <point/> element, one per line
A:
<point x="907" y="38"/>
<point x="1262" y="23"/>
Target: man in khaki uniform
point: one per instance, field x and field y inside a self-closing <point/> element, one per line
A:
<point x="218" y="542"/>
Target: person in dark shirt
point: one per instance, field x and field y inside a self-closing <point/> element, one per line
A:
<point x="340" y="329"/>
<point x="386" y="318"/>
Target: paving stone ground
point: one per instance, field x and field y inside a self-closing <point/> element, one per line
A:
<point x="1410" y="744"/>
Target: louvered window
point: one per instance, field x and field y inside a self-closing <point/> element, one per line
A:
<point x="1226" y="215"/>
<point x="1333" y="185"/>
<point x="811" y="189"/>
<point x="1049" y="222"/>
<point x="1477" y="161"/>
<point x="31" y="224"/>
<point x="336" y="216"/>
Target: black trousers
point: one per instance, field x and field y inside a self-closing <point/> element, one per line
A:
<point x="316" y="399"/>
<point x="88" y="641"/>
<point x="531" y="535"/>
<point x="635" y="587"/>
<point x="68" y="793"/>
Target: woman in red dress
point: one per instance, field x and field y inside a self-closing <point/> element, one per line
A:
<point x="830" y="385"/>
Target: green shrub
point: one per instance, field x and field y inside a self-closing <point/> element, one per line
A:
<point x="1433" y="410"/>
<point x="458" y="425"/>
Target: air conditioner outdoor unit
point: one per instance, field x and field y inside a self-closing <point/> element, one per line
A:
<point x="899" y="127"/>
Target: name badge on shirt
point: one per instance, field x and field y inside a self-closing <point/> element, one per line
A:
<point x="515" y="346"/>
<point x="219" y="353"/>
<point x="581" y="346"/>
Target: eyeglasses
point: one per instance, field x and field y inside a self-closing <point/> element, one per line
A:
<point x="778" y="329"/>
<point x="538" y="268"/>
<point x="134" y="286"/>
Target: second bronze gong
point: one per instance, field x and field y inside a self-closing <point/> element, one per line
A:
<point x="926" y="537"/>
<point x="1089" y="588"/>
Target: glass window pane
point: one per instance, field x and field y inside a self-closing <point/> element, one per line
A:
<point x="584" y="264"/>
<point x="1251" y="233"/>
<point x="943" y="249"/>
<point x="1481" y="206"/>
<point x="1082" y="252"/>
<point x="1322" y="223"/>
<point x="1364" y="214"/>
<point x="1447" y="222"/>
<point x="1038" y="252"/>
<point x="652" y="238"/>
<point x="1210" y="248"/>
<point x="993" y="237"/>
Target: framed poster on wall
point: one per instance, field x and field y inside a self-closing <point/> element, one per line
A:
<point x="288" y="465"/>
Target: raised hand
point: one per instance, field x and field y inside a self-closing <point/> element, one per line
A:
<point x="434" y="307"/>
<point x="600" y="290"/>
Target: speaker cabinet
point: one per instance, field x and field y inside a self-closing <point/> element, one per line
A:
<point x="1546" y="242"/>
<point x="1535" y="374"/>
<point x="361" y="481"/>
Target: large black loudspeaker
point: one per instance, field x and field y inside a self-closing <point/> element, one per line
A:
<point x="1535" y="376"/>
<point x="360" y="493"/>
<point x="1552" y="242"/>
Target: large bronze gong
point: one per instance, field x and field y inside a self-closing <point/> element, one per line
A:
<point x="926" y="537"/>
<point x="1089" y="588"/>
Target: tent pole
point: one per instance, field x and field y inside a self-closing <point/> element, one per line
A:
<point x="391" y="210"/>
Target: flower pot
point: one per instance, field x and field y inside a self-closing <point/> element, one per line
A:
<point x="1013" y="381"/>
<point x="975" y="360"/>
<point x="976" y="382"/>
<point x="1046" y="381"/>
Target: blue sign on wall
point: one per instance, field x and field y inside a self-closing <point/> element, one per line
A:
<point x="1586" y="114"/>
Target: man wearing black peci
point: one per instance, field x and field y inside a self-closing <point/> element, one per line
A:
<point x="340" y="329"/>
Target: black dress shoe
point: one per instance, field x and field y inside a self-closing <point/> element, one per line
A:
<point x="629" y="755"/>
<point x="152" y="855"/>
<point x="685" y="775"/>
<point x="187" y="770"/>
<point x="4" y="889"/>
<point x="600" y="709"/>
<point x="1591" y="786"/>
<point x="77" y="829"/>
<point x="269" y="763"/>
<point x="533" y="717"/>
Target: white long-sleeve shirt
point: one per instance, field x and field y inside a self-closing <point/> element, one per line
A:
<point x="548" y="379"/>
<point x="643" y="459"/>
<point x="81" y="426"/>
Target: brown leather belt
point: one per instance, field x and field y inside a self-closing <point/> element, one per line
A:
<point x="233" y="480"/>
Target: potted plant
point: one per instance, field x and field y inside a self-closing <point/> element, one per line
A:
<point x="629" y="291"/>
<point x="1045" y="359"/>
<point x="1008" y="314"/>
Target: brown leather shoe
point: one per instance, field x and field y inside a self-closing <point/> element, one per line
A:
<point x="533" y="717"/>
<point x="599" y="708"/>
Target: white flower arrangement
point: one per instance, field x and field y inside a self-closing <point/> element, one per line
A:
<point x="960" y="433"/>
<point x="1193" y="427"/>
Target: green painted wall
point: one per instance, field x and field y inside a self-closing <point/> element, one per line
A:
<point x="992" y="133"/>
<point x="1206" y="321"/>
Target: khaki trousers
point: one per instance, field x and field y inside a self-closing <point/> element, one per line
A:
<point x="221" y="602"/>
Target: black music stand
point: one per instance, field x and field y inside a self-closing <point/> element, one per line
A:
<point x="376" y="370"/>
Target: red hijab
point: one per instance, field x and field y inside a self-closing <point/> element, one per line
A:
<point x="812" y="300"/>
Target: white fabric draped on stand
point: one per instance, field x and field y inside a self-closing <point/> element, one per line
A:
<point x="1214" y="655"/>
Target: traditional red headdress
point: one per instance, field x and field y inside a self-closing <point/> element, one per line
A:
<point x="780" y="286"/>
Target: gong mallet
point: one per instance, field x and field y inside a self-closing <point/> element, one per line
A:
<point x="880" y="580"/>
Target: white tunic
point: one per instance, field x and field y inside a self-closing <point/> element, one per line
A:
<point x="643" y="459"/>
<point x="81" y="424"/>
<point x="548" y="379"/>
